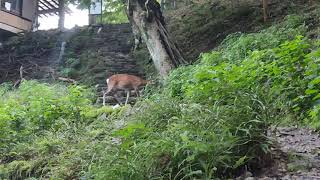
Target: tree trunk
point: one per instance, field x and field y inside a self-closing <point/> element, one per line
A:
<point x="35" y="22"/>
<point x="147" y="20"/>
<point x="93" y="19"/>
<point x="61" y="14"/>
<point x="265" y="10"/>
<point x="162" y="2"/>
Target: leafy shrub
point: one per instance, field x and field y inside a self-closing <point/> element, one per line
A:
<point x="237" y="47"/>
<point x="50" y="130"/>
<point x="212" y="117"/>
<point x="288" y="73"/>
<point x="36" y="107"/>
<point x="168" y="139"/>
<point x="114" y="13"/>
<point x="312" y="76"/>
<point x="209" y="121"/>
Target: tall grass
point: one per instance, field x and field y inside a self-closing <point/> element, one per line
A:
<point x="208" y="121"/>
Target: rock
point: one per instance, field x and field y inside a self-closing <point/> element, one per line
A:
<point x="248" y="174"/>
<point x="266" y="178"/>
<point x="250" y="178"/>
<point x="287" y="177"/>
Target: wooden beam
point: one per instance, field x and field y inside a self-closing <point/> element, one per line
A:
<point x="67" y="10"/>
<point x="40" y="15"/>
<point x="38" y="11"/>
<point x="49" y="4"/>
<point x="55" y="2"/>
<point x="41" y="7"/>
<point x="49" y="11"/>
<point x="41" y="2"/>
<point x="49" y="8"/>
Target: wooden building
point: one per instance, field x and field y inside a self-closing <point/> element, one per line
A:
<point x="22" y="15"/>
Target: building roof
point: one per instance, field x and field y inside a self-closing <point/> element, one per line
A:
<point x="49" y="7"/>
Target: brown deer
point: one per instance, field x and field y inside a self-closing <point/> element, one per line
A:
<point x="124" y="82"/>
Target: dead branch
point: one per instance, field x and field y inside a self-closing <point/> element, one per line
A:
<point x="67" y="80"/>
<point x="21" y="72"/>
<point x="17" y="83"/>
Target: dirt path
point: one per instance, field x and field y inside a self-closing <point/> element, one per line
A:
<point x="297" y="155"/>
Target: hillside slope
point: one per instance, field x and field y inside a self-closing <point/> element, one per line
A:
<point x="218" y="118"/>
<point x="89" y="57"/>
<point x="203" y="25"/>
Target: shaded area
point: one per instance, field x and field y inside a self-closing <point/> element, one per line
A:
<point x="296" y="154"/>
<point x="202" y="26"/>
<point x="35" y="52"/>
<point x="91" y="54"/>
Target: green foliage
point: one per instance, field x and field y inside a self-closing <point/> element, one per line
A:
<point x="169" y="139"/>
<point x="287" y="75"/>
<point x="45" y="129"/>
<point x="209" y="120"/>
<point x="70" y="67"/>
<point x="114" y="12"/>
<point x="212" y="117"/>
<point x="312" y="76"/>
<point x="238" y="46"/>
<point x="37" y="107"/>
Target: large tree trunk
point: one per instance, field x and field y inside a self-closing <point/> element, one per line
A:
<point x="148" y="23"/>
<point x="61" y="14"/>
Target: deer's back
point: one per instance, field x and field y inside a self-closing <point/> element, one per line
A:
<point x="125" y="81"/>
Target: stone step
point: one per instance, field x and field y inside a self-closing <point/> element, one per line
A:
<point x="110" y="100"/>
<point x="119" y="92"/>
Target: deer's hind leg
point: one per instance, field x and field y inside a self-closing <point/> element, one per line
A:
<point x="136" y="90"/>
<point x="128" y="95"/>
<point x="117" y="98"/>
<point x="104" y="98"/>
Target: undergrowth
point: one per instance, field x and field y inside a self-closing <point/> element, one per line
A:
<point x="209" y="120"/>
<point x="49" y="130"/>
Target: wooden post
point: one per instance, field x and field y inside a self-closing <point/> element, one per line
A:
<point x="35" y="21"/>
<point x="61" y="14"/>
<point x="265" y="10"/>
<point x="94" y="16"/>
<point x="93" y="19"/>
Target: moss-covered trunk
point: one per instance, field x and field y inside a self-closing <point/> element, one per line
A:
<point x="148" y="23"/>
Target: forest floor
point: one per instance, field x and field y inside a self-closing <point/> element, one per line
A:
<point x="296" y="155"/>
<point x="296" y="150"/>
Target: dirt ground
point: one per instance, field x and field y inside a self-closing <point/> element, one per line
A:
<point x="296" y="155"/>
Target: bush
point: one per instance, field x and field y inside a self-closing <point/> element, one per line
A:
<point x="238" y="46"/>
<point x="50" y="131"/>
<point x="209" y="121"/>
<point x="36" y="107"/>
<point x="169" y="139"/>
<point x="212" y="117"/>
<point x="287" y="75"/>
